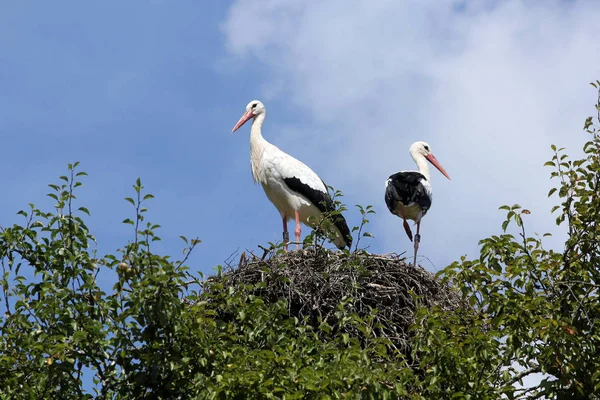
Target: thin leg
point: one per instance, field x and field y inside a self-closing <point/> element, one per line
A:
<point x="417" y="237"/>
<point x="286" y="235"/>
<point x="298" y="230"/>
<point x="407" y="229"/>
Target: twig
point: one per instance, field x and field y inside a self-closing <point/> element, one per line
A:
<point x="525" y="391"/>
<point x="266" y="251"/>
<point x="5" y="289"/>
<point x="187" y="254"/>
<point x="598" y="104"/>
<point x="376" y="286"/>
<point x="523" y="374"/>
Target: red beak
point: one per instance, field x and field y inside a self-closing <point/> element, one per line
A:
<point x="247" y="115"/>
<point x="431" y="158"/>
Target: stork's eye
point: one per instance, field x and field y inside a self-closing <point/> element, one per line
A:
<point x="254" y="105"/>
<point x="426" y="148"/>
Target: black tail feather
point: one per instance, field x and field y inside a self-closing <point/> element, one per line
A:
<point x="322" y="200"/>
<point x="340" y="222"/>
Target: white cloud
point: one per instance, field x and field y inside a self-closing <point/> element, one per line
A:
<point x="490" y="86"/>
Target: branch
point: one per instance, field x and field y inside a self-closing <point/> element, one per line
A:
<point x="137" y="214"/>
<point x="531" y="260"/>
<point x="566" y="283"/>
<point x="598" y="104"/>
<point x="5" y="289"/>
<point x="189" y="251"/>
<point x="526" y="393"/>
<point x="523" y="374"/>
<point x="581" y="307"/>
<point x="538" y="395"/>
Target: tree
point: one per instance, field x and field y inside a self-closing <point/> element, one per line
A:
<point x="533" y="310"/>
<point x="162" y="332"/>
<point x="383" y="331"/>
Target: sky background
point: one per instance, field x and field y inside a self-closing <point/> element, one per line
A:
<point x="151" y="89"/>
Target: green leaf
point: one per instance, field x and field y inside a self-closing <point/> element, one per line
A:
<point x="84" y="209"/>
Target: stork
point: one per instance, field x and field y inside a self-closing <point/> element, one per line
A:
<point x="408" y="193"/>
<point x="293" y="188"/>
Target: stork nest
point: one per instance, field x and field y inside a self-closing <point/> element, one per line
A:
<point x="315" y="281"/>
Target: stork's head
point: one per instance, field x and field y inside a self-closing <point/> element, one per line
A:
<point x="423" y="150"/>
<point x="253" y="109"/>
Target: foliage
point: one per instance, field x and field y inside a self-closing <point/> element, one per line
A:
<point x="58" y="321"/>
<point x="161" y="332"/>
<point x="534" y="309"/>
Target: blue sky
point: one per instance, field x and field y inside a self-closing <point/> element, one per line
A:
<point x="152" y="89"/>
<point x="129" y="90"/>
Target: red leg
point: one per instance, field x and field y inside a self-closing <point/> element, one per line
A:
<point x="298" y="229"/>
<point x="286" y="235"/>
<point x="407" y="229"/>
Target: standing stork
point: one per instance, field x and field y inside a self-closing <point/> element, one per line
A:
<point x="295" y="190"/>
<point x="408" y="193"/>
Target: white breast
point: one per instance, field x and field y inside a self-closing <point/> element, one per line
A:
<point x="270" y="167"/>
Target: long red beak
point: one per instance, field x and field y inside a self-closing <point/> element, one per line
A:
<point x="431" y="158"/>
<point x="247" y="115"/>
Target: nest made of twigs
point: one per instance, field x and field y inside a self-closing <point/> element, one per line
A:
<point x="315" y="281"/>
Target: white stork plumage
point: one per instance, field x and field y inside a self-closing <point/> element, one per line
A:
<point x="408" y="193"/>
<point x="295" y="190"/>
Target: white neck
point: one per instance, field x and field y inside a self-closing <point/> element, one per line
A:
<point x="255" y="131"/>
<point x="421" y="164"/>
<point x="257" y="145"/>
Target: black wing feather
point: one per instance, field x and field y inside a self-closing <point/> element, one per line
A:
<point x="323" y="202"/>
<point x="406" y="188"/>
